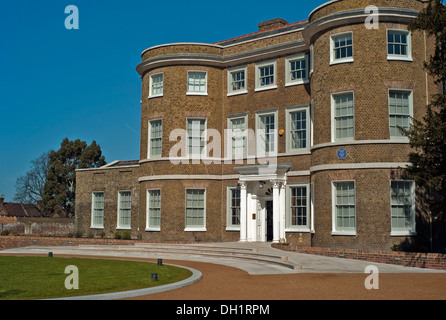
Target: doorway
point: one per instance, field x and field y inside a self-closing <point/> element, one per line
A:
<point x="269" y="221"/>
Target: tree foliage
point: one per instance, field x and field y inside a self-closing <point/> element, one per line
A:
<point x="428" y="137"/>
<point x="60" y="186"/>
<point x="30" y="187"/>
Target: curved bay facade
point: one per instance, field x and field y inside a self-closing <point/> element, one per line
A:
<point x="287" y="134"/>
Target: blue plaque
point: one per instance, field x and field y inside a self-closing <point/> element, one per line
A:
<point x="342" y="153"/>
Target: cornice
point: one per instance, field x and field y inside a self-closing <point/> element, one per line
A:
<point x="357" y="16"/>
<point x="221" y="61"/>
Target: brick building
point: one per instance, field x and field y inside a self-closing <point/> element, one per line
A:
<point x="289" y="133"/>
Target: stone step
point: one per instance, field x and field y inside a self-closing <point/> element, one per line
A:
<point x="197" y="250"/>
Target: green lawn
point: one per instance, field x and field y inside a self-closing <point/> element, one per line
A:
<point x="28" y="278"/>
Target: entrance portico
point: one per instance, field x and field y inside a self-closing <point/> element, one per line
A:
<point x="262" y="202"/>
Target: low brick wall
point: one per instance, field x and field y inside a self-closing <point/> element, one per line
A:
<point x="37" y="226"/>
<point x="407" y="259"/>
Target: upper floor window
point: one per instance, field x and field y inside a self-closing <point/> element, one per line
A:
<point x="296" y="69"/>
<point x="400" y="112"/>
<point x="297" y="129"/>
<point x="156" y="85"/>
<point x="237" y="78"/>
<point x="341" y="48"/>
<point x="155" y="138"/>
<point x="266" y="133"/>
<point x="238" y="126"/>
<point x="196" y="136"/>
<point x="266" y="75"/>
<point x="343" y="124"/>
<point x="197" y="82"/>
<point x="399" y="45"/>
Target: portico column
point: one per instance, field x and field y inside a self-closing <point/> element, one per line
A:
<point x="243" y="210"/>
<point x="282" y="210"/>
<point x="276" y="210"/>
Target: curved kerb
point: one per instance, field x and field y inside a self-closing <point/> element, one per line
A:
<point x="196" y="276"/>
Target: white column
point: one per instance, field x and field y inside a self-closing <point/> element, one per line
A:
<point x="282" y="210"/>
<point x="243" y="210"/>
<point x="248" y="216"/>
<point x="276" y="210"/>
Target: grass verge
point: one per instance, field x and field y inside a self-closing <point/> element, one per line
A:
<point x="29" y="278"/>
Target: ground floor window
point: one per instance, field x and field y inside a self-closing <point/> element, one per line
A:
<point x="297" y="214"/>
<point x="97" y="210"/>
<point x="233" y="208"/>
<point x="195" y="210"/>
<point x="402" y="196"/>
<point x="124" y="209"/>
<point x="153" y="210"/>
<point x="344" y="211"/>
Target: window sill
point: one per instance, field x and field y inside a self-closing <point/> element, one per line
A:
<point x="340" y="61"/>
<point x="266" y="88"/>
<point x="402" y="233"/>
<point x="123" y="228"/>
<point x="343" y="233"/>
<point x="97" y="227"/>
<point x="236" y="93"/>
<point x="152" y="229"/>
<point x="156" y="96"/>
<point x="296" y="83"/>
<point x="196" y="93"/>
<point x="306" y="230"/>
<point x="297" y="152"/>
<point x="399" y="58"/>
<point x="232" y="228"/>
<point x="198" y="229"/>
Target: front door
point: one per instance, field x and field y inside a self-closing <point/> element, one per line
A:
<point x="269" y="220"/>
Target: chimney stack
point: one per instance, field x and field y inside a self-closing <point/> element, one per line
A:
<point x="270" y="24"/>
<point x="2" y="200"/>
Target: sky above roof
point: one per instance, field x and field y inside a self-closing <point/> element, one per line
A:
<point x="82" y="84"/>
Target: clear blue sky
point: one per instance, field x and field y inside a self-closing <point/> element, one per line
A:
<point x="82" y="84"/>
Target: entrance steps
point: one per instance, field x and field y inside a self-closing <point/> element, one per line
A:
<point x="199" y="252"/>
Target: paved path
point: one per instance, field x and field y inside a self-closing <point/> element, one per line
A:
<point x="226" y="278"/>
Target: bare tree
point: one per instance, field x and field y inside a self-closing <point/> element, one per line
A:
<point x="29" y="187"/>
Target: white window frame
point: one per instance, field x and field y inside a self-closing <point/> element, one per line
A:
<point x="311" y="67"/>
<point x="197" y="93"/>
<point x="335" y="229"/>
<point x="149" y="147"/>
<point x="231" y="71"/>
<point x="195" y="228"/>
<point x="288" y="61"/>
<point x="203" y="136"/>
<point x="151" y="94"/>
<point x="333" y="116"/>
<point x="264" y="64"/>
<point x="230" y="141"/>
<point x="400" y="57"/>
<point x="93" y="225"/>
<point x="333" y="60"/>
<point x="289" y="111"/>
<point x="148" y="226"/>
<point x="401" y="138"/>
<point x="288" y="226"/>
<point x="119" y="226"/>
<point x="229" y="225"/>
<point x="260" y="148"/>
<point x="412" y="230"/>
